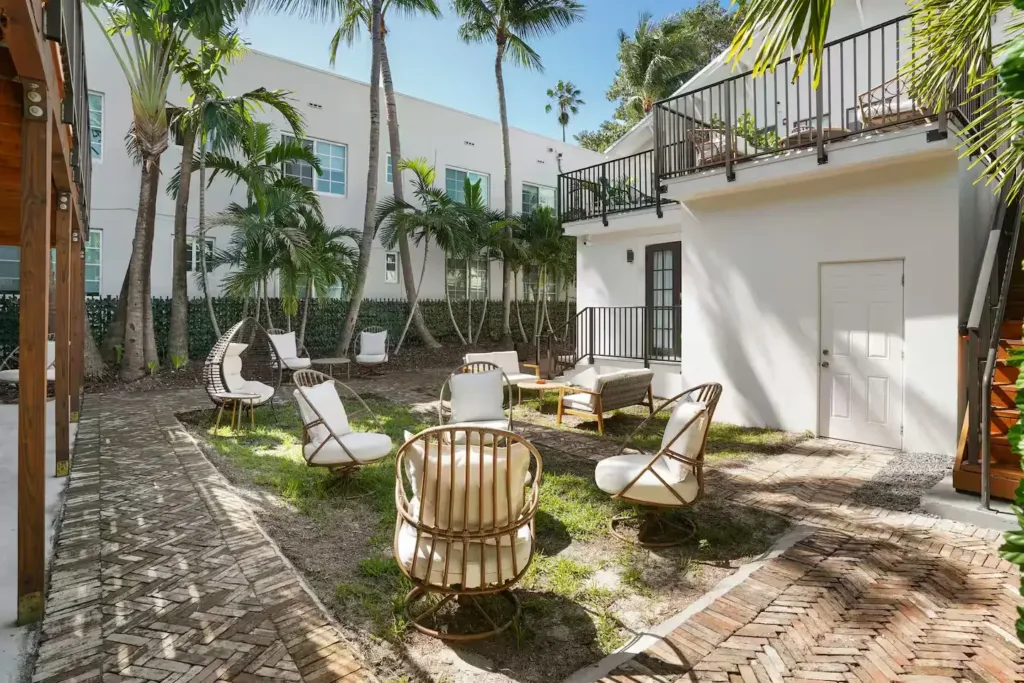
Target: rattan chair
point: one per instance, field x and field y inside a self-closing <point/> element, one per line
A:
<point x="327" y="439"/>
<point x="465" y="526"/>
<point x="287" y="352"/>
<point x="9" y="368"/>
<point x="242" y="361"/>
<point x="447" y="414"/>
<point x="671" y="478"/>
<point x="377" y="354"/>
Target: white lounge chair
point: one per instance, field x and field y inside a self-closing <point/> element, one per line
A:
<point x="327" y="438"/>
<point x="508" y="361"/>
<point x="286" y="352"/>
<point x="671" y="478"/>
<point x="10" y="374"/>
<point x="372" y="346"/>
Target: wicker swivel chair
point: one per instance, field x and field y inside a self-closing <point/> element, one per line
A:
<point x="242" y="361"/>
<point x="288" y="355"/>
<point x="480" y="400"/>
<point x="327" y="439"/>
<point x="673" y="477"/>
<point x="465" y="525"/>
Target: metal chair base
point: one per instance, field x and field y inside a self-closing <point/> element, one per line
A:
<point x="418" y="593"/>
<point x="653" y="529"/>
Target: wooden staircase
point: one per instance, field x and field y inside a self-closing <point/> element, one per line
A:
<point x="1005" y="466"/>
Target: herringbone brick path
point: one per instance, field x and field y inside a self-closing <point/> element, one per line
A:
<point x="161" y="573"/>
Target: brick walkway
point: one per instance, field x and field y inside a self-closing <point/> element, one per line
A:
<point x="162" y="574"/>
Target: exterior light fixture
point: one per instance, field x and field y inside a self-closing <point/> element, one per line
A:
<point x="629" y="256"/>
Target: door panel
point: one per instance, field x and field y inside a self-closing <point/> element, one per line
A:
<point x="861" y="355"/>
<point x="664" y="285"/>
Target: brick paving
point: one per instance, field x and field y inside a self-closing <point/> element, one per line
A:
<point x="180" y="584"/>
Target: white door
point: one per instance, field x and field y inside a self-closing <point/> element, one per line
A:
<point x="861" y="355"/>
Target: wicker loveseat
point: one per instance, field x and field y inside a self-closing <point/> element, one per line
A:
<point x="596" y="391"/>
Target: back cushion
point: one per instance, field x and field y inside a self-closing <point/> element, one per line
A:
<point x="689" y="442"/>
<point x="486" y="502"/>
<point x="318" y="433"/>
<point x="51" y="353"/>
<point x="508" y="361"/>
<point x="284" y="344"/>
<point x="373" y="343"/>
<point x="325" y="399"/>
<point x="477" y="396"/>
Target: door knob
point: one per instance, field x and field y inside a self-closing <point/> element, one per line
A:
<point x="824" y="352"/>
<point x="824" y="363"/>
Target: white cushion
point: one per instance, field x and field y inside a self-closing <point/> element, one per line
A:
<point x="317" y="433"/>
<point x="365" y="446"/>
<point x="284" y="345"/>
<point x="613" y="474"/>
<point x="235" y="349"/>
<point x="689" y="442"/>
<point x="328" y="404"/>
<point x="433" y="485"/>
<point x="481" y="560"/>
<point x="51" y="353"/>
<point x="11" y="376"/>
<point x="477" y="396"/>
<point x="297" y="363"/>
<point x="890" y="106"/>
<point x="578" y="402"/>
<point x="508" y="361"/>
<point x="373" y="343"/>
<point x="371" y="359"/>
<point x="460" y="437"/>
<point x="262" y="390"/>
<point x="518" y="377"/>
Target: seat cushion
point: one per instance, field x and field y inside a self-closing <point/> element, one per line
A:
<point x="371" y="359"/>
<point x="262" y="390"/>
<point x="481" y="559"/>
<point x="477" y="396"/>
<point x="689" y="442"/>
<point x="11" y="376"/>
<point x="613" y="474"/>
<point x="284" y="345"/>
<point x="326" y="402"/>
<point x="373" y="343"/>
<point x="460" y="437"/>
<point x="508" y="361"/>
<point x="578" y="402"/>
<point x="518" y="377"/>
<point x="364" y="446"/>
<point x="297" y="363"/>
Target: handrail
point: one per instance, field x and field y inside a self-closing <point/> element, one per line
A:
<point x="988" y="262"/>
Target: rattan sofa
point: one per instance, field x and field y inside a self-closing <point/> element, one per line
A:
<point x="596" y="391"/>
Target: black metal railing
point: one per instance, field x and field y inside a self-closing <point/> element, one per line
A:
<point x="642" y="333"/>
<point x="613" y="186"/>
<point x="743" y="118"/>
<point x="63" y="23"/>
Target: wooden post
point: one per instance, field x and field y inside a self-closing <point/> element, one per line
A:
<point x="77" y="336"/>
<point x="62" y="329"/>
<point x="34" y="311"/>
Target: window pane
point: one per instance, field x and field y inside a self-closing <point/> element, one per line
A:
<point x="455" y="184"/>
<point x="547" y="197"/>
<point x="531" y="198"/>
<point x="390" y="170"/>
<point x="96" y="124"/>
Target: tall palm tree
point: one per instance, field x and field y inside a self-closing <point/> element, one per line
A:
<point x="217" y="121"/>
<point x="486" y="235"/>
<point x="565" y="97"/>
<point x="148" y="38"/>
<point x="509" y="25"/>
<point x="651" y="61"/>
<point x="356" y="14"/>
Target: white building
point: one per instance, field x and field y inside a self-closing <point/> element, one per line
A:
<point x="336" y="112"/>
<point x="825" y="286"/>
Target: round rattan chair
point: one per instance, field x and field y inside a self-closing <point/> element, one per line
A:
<point x="242" y="361"/>
<point x="373" y="357"/>
<point x="671" y="478"/>
<point x="444" y="403"/>
<point x="465" y="526"/>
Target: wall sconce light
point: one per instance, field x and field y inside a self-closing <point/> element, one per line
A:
<point x="629" y="256"/>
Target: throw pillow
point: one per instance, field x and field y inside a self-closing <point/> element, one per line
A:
<point x="477" y="396"/>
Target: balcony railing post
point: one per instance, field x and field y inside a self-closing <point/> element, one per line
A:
<point x="648" y="324"/>
<point x="604" y="196"/>
<point x="942" y="123"/>
<point x="590" y="341"/>
<point x="730" y="174"/>
<point x="819" y="103"/>
<point x="656" y="179"/>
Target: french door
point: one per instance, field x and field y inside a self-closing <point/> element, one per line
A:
<point x="664" y="285"/>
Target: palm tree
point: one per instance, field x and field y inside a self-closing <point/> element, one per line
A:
<point x="566" y="98"/>
<point x="509" y="25"/>
<point x="486" y="235"/>
<point x="650" y="63"/>
<point x="148" y="38"/>
<point x="356" y="14"/>
<point x="437" y="220"/>
<point x="217" y="121"/>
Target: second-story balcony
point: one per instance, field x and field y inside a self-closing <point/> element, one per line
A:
<point x="611" y="187"/>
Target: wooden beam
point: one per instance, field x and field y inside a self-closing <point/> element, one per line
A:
<point x="77" y="336"/>
<point x="62" y="329"/>
<point x="36" y="168"/>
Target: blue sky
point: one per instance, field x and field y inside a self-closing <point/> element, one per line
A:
<point x="429" y="61"/>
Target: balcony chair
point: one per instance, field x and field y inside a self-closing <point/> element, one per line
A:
<point x="465" y="522"/>
<point x="890" y="105"/>
<point x="671" y="478"/>
<point x="286" y="352"/>
<point x="372" y="346"/>
<point x="709" y="145"/>
<point x="327" y="439"/>
<point x="476" y="395"/>
<point x="9" y="368"/>
<point x="242" y="361"/>
<point x="508" y="361"/>
<point x="595" y="391"/>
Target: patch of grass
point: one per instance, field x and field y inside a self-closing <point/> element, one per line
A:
<point x="380" y="591"/>
<point x="611" y="635"/>
<point x="574" y="502"/>
<point x="560" y="575"/>
<point x="632" y="562"/>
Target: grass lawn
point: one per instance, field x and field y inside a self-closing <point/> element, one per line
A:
<point x="586" y="593"/>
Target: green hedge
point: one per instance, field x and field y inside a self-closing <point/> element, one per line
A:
<point x="326" y="318"/>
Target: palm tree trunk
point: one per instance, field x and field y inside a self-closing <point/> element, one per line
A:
<point x="305" y="316"/>
<point x="178" y="341"/>
<point x="202" y="233"/>
<point x="451" y="313"/>
<point x="114" y="336"/>
<point x="133" y="358"/>
<point x="92" y="361"/>
<point x="536" y="311"/>
<point x="266" y="302"/>
<point x="404" y="253"/>
<point x="563" y="133"/>
<point x="415" y="299"/>
<point x="506" y="280"/>
<point x="469" y="310"/>
<point x="369" y="227"/>
<point x="148" y="333"/>
<point x="483" y="318"/>
<point x="519" y="312"/>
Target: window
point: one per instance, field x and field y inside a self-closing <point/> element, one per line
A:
<point x="390" y="172"/>
<point x="332" y="158"/>
<point x="853" y="122"/>
<point x="10" y="265"/>
<point x="96" y="125"/>
<point x="537" y="195"/>
<point x="455" y="184"/>
<point x="93" y="261"/>
<point x="391" y="267"/>
<point x="9" y="270"/>
<point x="531" y="277"/>
<point x="192" y="259"/>
<point x="467" y="278"/>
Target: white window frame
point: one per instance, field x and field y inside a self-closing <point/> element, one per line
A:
<point x="467" y="172"/>
<point x="539" y="187"/>
<point x="316" y="176"/>
<point x="192" y="265"/>
<point x="103" y="123"/>
<point x="389" y="172"/>
<point x="466" y="266"/>
<point x="94" y="232"/>
<point x="391" y="257"/>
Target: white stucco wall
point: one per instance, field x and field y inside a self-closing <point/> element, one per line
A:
<point x="336" y="110"/>
<point x="751" y="301"/>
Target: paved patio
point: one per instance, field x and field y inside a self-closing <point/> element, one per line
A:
<point x="162" y="573"/>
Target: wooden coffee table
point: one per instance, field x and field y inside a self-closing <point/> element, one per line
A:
<point x="540" y="386"/>
<point x="331" y="362"/>
<point x="237" y="400"/>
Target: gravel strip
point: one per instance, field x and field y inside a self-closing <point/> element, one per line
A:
<point x="900" y="484"/>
